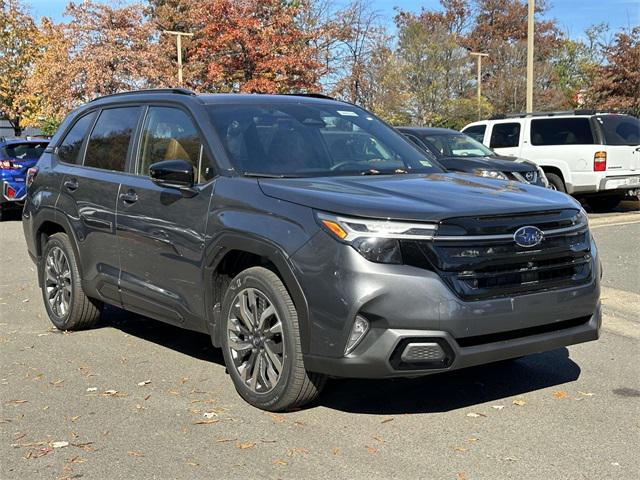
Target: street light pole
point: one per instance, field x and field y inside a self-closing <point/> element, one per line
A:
<point x="479" y="56"/>
<point x="530" y="36"/>
<point x="179" y="36"/>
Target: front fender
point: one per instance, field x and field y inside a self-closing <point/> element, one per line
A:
<point x="266" y="249"/>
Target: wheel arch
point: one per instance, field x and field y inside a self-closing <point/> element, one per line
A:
<point x="50" y="225"/>
<point x="234" y="253"/>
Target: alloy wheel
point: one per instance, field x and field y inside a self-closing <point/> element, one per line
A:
<point x="57" y="281"/>
<point x="255" y="340"/>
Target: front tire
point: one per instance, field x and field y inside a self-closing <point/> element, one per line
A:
<point x="66" y="303"/>
<point x="556" y="183"/>
<point x="261" y="343"/>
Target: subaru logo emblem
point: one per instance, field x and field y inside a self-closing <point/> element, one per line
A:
<point x="528" y="236"/>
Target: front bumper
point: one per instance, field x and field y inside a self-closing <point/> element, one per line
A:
<point x="403" y="302"/>
<point x="374" y="357"/>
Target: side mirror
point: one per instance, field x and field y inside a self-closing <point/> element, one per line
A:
<point x="172" y="174"/>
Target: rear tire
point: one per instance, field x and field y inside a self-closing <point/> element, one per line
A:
<point x="66" y="303"/>
<point x="556" y="183"/>
<point x="604" y="203"/>
<point x="261" y="343"/>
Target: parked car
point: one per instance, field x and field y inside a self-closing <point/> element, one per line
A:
<point x="17" y="155"/>
<point x="306" y="237"/>
<point x="458" y="152"/>
<point x="583" y="152"/>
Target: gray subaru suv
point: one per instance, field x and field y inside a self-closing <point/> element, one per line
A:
<point x="306" y="237"/>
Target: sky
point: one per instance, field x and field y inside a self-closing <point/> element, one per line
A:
<point x="573" y="16"/>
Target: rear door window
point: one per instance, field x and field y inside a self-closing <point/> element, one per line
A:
<point x="109" y="142"/>
<point x="476" y="132"/>
<point x="504" y="135"/>
<point x="561" y="131"/>
<point x="69" y="149"/>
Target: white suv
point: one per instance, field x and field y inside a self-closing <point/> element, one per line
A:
<point x="587" y="153"/>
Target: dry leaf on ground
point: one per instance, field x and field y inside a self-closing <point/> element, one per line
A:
<point x="520" y="403"/>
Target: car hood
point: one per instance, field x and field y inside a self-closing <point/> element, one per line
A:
<point x="431" y="197"/>
<point x="502" y="164"/>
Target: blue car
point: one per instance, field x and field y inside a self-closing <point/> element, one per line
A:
<point x="17" y="155"/>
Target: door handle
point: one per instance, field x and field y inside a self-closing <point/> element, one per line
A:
<point x="71" y="184"/>
<point x="129" y="197"/>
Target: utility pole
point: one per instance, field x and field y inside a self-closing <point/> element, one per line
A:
<point x="530" y="35"/>
<point x="479" y="56"/>
<point x="179" y="36"/>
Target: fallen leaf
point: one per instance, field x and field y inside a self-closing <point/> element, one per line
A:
<point x="559" y="394"/>
<point x="497" y="407"/>
<point x="336" y="451"/>
<point x="280" y="462"/>
<point x="60" y="444"/>
<point x="73" y="419"/>
<point x="134" y="453"/>
<point x="225" y="440"/>
<point x="387" y="420"/>
<point x="378" y="439"/>
<point x="275" y="417"/>
<point x="193" y="464"/>
<point x="520" y="403"/>
<point x="57" y="382"/>
<point x="459" y="449"/>
<point x="371" y="449"/>
<point x="92" y="389"/>
<point x="472" y="439"/>
<point x="295" y="451"/>
<point x="210" y="414"/>
<point x="475" y="415"/>
<point x="586" y="394"/>
<point x="206" y="422"/>
<point x="462" y="476"/>
<point x="143" y="383"/>
<point x="246" y="445"/>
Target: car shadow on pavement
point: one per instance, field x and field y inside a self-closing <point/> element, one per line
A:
<point x="194" y="344"/>
<point x="430" y="394"/>
<point x="451" y="390"/>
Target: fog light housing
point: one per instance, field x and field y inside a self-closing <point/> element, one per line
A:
<point x="358" y="330"/>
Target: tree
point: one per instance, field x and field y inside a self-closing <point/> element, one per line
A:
<point x="617" y="84"/>
<point x="437" y="68"/>
<point x="500" y="29"/>
<point x="253" y="46"/>
<point x="100" y="51"/>
<point x="18" y="50"/>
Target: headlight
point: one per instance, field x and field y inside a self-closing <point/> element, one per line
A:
<point x="375" y="240"/>
<point x="543" y="177"/>
<point x="490" y="174"/>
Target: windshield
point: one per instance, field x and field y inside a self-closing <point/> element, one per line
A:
<point x="455" y="145"/>
<point x="620" y="129"/>
<point x="25" y="151"/>
<point x="294" y="139"/>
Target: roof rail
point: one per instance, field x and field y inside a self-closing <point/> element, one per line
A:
<point x="311" y="95"/>
<point x="180" y="91"/>
<point x="580" y="111"/>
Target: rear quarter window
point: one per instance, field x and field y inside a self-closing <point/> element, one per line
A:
<point x="619" y="129"/>
<point x="69" y="148"/>
<point x="25" y="151"/>
<point x="561" y="131"/>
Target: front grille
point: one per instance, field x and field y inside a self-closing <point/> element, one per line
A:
<point x="481" y="260"/>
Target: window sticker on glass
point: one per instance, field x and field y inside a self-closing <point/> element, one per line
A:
<point x="347" y="113"/>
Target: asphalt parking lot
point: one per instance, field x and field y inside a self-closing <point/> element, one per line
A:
<point x="138" y="399"/>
